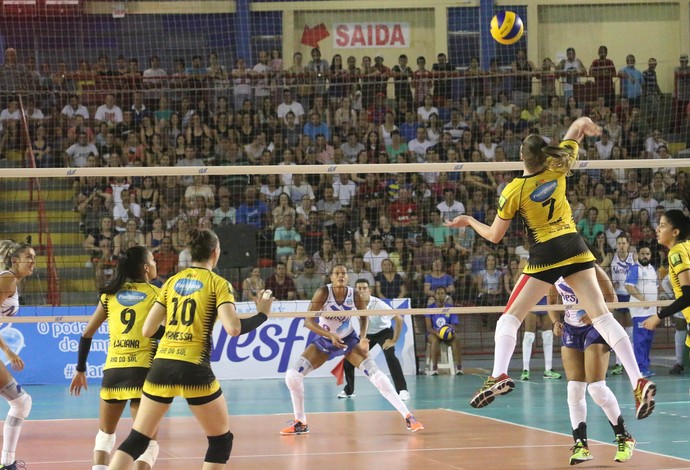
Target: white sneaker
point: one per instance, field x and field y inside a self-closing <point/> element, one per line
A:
<point x="345" y="395"/>
<point x="432" y="372"/>
<point x="404" y="395"/>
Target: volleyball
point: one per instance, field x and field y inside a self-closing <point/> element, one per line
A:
<point x="446" y="332"/>
<point x="507" y="28"/>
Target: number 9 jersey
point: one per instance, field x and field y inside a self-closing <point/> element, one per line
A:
<point x="126" y="311"/>
<point x="541" y="200"/>
<point x="191" y="299"/>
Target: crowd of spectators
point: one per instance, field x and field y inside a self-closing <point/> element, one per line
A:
<point x="387" y="228"/>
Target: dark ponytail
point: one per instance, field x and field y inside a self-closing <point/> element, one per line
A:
<point x="201" y="243"/>
<point x="129" y="266"/>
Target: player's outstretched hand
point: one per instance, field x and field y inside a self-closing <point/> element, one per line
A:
<point x="78" y="382"/>
<point x="264" y="301"/>
<point x="458" y="222"/>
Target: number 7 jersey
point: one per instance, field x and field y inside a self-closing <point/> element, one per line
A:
<point x="126" y="311"/>
<point x="191" y="299"/>
<point x="541" y="201"/>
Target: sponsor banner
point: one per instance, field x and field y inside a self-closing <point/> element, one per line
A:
<point x="369" y="35"/>
<point x="49" y="350"/>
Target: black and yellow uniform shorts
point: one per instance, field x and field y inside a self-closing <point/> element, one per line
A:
<point x="568" y="251"/>
<point x="123" y="383"/>
<point x="169" y="378"/>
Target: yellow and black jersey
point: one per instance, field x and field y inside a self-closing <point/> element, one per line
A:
<point x="679" y="261"/>
<point x="191" y="299"/>
<point x="126" y="311"/>
<point x="541" y="201"/>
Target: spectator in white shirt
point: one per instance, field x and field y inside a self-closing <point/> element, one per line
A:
<point x="73" y="108"/>
<point x="417" y="147"/>
<point x="604" y="146"/>
<point x="289" y="104"/>
<point x="11" y="113"/>
<point x="76" y="155"/>
<point x="126" y="210"/>
<point x="110" y="113"/>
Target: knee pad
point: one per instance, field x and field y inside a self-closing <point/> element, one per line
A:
<point x="219" y="448"/>
<point x="599" y="392"/>
<point x="507" y="325"/>
<point x="303" y="366"/>
<point x="547" y="337"/>
<point x="528" y="337"/>
<point x="576" y="392"/>
<point x="105" y="442"/>
<point x="135" y="444"/>
<point x="21" y="407"/>
<point x="150" y="454"/>
<point x="369" y="367"/>
<point x="12" y="390"/>
<point x="293" y="379"/>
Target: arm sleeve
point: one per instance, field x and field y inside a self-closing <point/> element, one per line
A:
<point x="680" y="304"/>
<point x="252" y="323"/>
<point x="83" y="353"/>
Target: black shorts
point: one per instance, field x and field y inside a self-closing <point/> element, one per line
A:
<point x="169" y="378"/>
<point x="123" y="383"/>
<point x="560" y="252"/>
<point x="552" y="275"/>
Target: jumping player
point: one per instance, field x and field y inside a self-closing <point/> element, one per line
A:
<point x="558" y="250"/>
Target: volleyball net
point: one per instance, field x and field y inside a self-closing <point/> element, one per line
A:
<point x="192" y="110"/>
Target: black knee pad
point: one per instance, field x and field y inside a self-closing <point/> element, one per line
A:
<point x="219" y="448"/>
<point x="135" y="444"/>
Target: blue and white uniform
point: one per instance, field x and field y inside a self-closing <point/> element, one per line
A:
<point x="646" y="280"/>
<point x="340" y="325"/>
<point x="619" y="272"/>
<point x="576" y="334"/>
<point x="10" y="306"/>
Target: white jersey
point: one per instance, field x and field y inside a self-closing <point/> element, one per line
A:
<point x="341" y="326"/>
<point x="378" y="323"/>
<point x="619" y="271"/>
<point x="646" y="280"/>
<point x="10" y="306"/>
<point x="573" y="316"/>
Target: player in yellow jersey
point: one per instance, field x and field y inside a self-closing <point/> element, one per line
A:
<point x="189" y="304"/>
<point x="674" y="232"/>
<point x="124" y="303"/>
<point x="557" y="250"/>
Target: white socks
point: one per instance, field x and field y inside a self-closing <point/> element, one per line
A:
<point x="527" y="341"/>
<point x="680" y="345"/>
<point x="577" y="403"/>
<point x="295" y="383"/>
<point x="604" y="397"/>
<point x="504" y="339"/>
<point x="616" y="337"/>
<point x="386" y="388"/>
<point x="547" y="339"/>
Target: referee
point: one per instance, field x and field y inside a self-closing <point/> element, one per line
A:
<point x="380" y="332"/>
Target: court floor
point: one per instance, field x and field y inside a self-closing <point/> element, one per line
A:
<point x="526" y="429"/>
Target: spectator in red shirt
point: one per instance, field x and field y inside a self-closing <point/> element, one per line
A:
<point x="401" y="209"/>
<point x="282" y="285"/>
